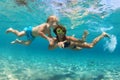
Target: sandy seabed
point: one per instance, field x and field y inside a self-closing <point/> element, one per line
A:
<point x="12" y="68"/>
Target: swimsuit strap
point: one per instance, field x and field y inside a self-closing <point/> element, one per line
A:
<point x="66" y="44"/>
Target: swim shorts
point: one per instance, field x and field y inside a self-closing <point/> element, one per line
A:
<point x="28" y="31"/>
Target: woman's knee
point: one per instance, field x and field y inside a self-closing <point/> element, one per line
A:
<point x="90" y="46"/>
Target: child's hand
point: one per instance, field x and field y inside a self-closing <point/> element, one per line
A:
<point x="50" y="39"/>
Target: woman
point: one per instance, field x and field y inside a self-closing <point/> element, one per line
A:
<point x="64" y="41"/>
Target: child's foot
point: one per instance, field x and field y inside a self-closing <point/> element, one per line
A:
<point x="9" y="30"/>
<point x="105" y="34"/>
<point x="15" y="41"/>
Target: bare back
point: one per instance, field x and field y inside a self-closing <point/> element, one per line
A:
<point x="45" y="28"/>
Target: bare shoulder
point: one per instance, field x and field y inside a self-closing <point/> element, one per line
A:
<point x="42" y="25"/>
<point x="67" y="37"/>
<point x="71" y="38"/>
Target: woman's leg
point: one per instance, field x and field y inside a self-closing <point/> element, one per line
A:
<point x="90" y="45"/>
<point x="104" y="34"/>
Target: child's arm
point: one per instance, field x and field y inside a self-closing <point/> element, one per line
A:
<point x="54" y="44"/>
<point x="52" y="47"/>
<point x="49" y="35"/>
<point x="42" y="32"/>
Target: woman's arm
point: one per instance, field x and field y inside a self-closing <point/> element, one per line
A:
<point x="70" y="38"/>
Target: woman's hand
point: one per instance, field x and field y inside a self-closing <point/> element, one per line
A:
<point x="61" y="44"/>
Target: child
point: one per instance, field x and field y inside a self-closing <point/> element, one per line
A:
<point x="42" y="30"/>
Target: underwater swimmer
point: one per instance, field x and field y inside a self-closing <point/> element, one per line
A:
<point x="64" y="41"/>
<point x="42" y="30"/>
<point x="60" y="32"/>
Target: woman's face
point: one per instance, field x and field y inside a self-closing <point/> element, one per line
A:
<point x="60" y="33"/>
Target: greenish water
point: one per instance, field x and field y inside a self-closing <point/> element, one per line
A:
<point x="36" y="62"/>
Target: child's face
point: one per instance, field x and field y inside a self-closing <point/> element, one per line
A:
<point x="53" y="21"/>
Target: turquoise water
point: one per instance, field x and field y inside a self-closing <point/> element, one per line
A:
<point x="36" y="62"/>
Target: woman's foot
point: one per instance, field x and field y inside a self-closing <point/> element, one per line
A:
<point x="86" y="32"/>
<point x="105" y="34"/>
<point x="9" y="30"/>
<point x="85" y="35"/>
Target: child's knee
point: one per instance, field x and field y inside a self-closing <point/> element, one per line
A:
<point x="27" y="43"/>
<point x="19" y="35"/>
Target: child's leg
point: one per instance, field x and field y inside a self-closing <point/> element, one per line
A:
<point x="22" y="33"/>
<point x="21" y="42"/>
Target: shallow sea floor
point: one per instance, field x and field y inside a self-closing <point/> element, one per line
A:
<point x="44" y="68"/>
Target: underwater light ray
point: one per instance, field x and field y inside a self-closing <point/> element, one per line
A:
<point x="100" y="29"/>
<point x="111" y="44"/>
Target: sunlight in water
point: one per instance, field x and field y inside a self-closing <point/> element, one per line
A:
<point x="77" y="10"/>
<point x="36" y="62"/>
<point x="111" y="44"/>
